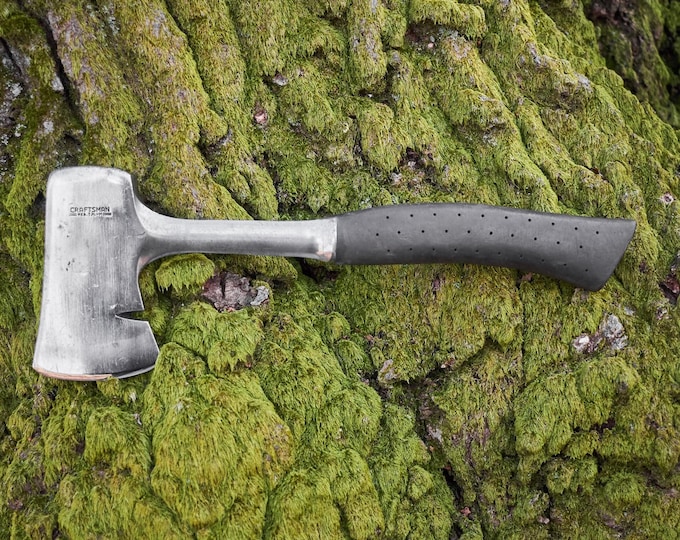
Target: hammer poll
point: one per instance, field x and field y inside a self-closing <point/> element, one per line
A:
<point x="99" y="235"/>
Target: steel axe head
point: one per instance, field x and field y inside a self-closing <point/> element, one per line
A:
<point x="94" y="244"/>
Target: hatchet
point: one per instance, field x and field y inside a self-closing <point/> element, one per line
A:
<point x="99" y="235"/>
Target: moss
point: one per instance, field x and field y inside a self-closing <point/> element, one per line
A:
<point x="226" y="340"/>
<point x="20" y="355"/>
<point x="114" y="438"/>
<point x="299" y="491"/>
<point x="638" y="42"/>
<point x="156" y="305"/>
<point x="30" y="509"/>
<point x="382" y="141"/>
<point x="179" y="113"/>
<point x="63" y="435"/>
<point x="349" y="419"/>
<point x="399" y="460"/>
<point x="624" y="490"/>
<point x="194" y="483"/>
<point x="446" y="306"/>
<point x="341" y="479"/>
<point x="574" y="476"/>
<point x="212" y="34"/>
<point x="184" y="273"/>
<point x="352" y="357"/>
<point x="467" y="19"/>
<point x="123" y="393"/>
<point x="547" y="415"/>
<point x="93" y="507"/>
<point x="476" y="401"/>
<point x="274" y="268"/>
<point x="301" y="178"/>
<point x="213" y="37"/>
<point x="262" y="197"/>
<point x="268" y="28"/>
<point x="349" y="430"/>
<point x="367" y="60"/>
<point x="112" y="113"/>
<point x="295" y="372"/>
<point x="14" y="305"/>
<point x="333" y="327"/>
<point x="305" y="97"/>
<point x="40" y="126"/>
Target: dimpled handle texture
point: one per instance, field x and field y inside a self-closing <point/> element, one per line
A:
<point x="581" y="250"/>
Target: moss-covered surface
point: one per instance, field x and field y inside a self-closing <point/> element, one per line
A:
<point x="394" y="402"/>
<point x="640" y="40"/>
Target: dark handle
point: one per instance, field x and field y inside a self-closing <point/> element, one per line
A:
<point x="581" y="250"/>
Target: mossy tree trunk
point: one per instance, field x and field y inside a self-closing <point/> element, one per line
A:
<point x="395" y="402"/>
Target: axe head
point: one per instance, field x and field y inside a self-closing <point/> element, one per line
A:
<point x="94" y="250"/>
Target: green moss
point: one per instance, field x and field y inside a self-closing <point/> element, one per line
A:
<point x="303" y="508"/>
<point x="219" y="458"/>
<point x="305" y="97"/>
<point x="338" y="487"/>
<point x="382" y="141"/>
<point x="349" y="419"/>
<point x="20" y="355"/>
<point x="226" y="340"/>
<point x="14" y="302"/>
<point x="449" y="306"/>
<point x="123" y="393"/>
<point x="262" y="193"/>
<point x="399" y="462"/>
<point x="349" y="434"/>
<point x="30" y="510"/>
<point x="367" y="60"/>
<point x="212" y="35"/>
<point x="639" y="46"/>
<point x="267" y="29"/>
<point x="179" y="113"/>
<point x="182" y="407"/>
<point x="114" y="438"/>
<point x="184" y="273"/>
<point x="40" y="124"/>
<point x="112" y="113"/>
<point x="473" y="431"/>
<point x="602" y="382"/>
<point x="92" y="506"/>
<point x="297" y="372"/>
<point x="318" y="36"/>
<point x="214" y="40"/>
<point x="531" y="506"/>
<point x="333" y="327"/>
<point x="548" y="413"/>
<point x="467" y="19"/>
<point x="301" y="179"/>
<point x="352" y="357"/>
<point x="63" y="435"/>
<point x="574" y="476"/>
<point x="624" y="490"/>
<point x="156" y="305"/>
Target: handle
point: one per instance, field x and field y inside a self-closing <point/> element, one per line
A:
<point x="581" y="250"/>
<point x="313" y="239"/>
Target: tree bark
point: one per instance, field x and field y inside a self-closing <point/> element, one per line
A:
<point x="639" y="40"/>
<point x="433" y="401"/>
